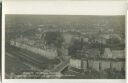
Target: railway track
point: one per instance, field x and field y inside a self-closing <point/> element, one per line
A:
<point x="26" y="58"/>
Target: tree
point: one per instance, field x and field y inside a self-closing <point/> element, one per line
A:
<point x="76" y="45"/>
<point x="54" y="38"/>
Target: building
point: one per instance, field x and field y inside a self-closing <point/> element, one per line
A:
<point x="118" y="54"/>
<point x="107" y="53"/>
<point x="30" y="45"/>
<point x="105" y="65"/>
<point x="76" y="63"/>
<point x="97" y="65"/>
<point x="114" y="54"/>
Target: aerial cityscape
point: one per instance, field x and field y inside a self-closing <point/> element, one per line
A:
<point x="64" y="47"/>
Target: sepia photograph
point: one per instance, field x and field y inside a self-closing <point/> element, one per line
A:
<point x="64" y="46"/>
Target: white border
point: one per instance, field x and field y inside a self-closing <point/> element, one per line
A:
<point x="65" y="81"/>
<point x="66" y="7"/>
<point x="60" y="8"/>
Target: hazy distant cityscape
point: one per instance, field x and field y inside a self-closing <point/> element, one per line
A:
<point x="65" y="47"/>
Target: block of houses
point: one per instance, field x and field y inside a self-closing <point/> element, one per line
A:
<point x="118" y="54"/>
<point x="85" y="65"/>
<point x="118" y="66"/>
<point x="76" y="63"/>
<point x="48" y="53"/>
<point x="113" y="54"/>
<point x="90" y="63"/>
<point x="107" y="53"/>
<point x="105" y="65"/>
<point x="96" y="65"/>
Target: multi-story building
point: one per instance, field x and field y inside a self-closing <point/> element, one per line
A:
<point x="30" y="45"/>
<point x="108" y="53"/>
<point x="111" y="59"/>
